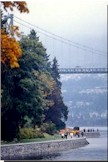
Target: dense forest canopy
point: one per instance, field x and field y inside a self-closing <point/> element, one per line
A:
<point x="30" y="83"/>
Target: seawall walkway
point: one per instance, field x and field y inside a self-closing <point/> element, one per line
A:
<point x="35" y="150"/>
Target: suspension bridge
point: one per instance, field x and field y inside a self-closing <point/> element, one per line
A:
<point x="73" y="57"/>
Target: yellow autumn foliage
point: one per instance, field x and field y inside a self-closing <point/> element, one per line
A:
<point x="10" y="50"/>
<point x="49" y="82"/>
<point x="14" y="31"/>
<point x="10" y="47"/>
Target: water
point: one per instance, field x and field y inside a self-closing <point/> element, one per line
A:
<point x="96" y="150"/>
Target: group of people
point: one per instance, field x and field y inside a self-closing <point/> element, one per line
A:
<point x="64" y="135"/>
<point x="68" y="134"/>
<point x="75" y="133"/>
<point x="90" y="130"/>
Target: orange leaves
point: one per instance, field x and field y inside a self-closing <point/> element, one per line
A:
<point x="14" y="30"/>
<point x="21" y="6"/>
<point x="10" y="50"/>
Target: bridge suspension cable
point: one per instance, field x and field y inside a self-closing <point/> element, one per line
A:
<point x="59" y="38"/>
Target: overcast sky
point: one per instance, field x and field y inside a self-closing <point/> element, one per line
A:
<point x="80" y="21"/>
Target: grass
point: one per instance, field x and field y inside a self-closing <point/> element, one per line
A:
<point x="46" y="138"/>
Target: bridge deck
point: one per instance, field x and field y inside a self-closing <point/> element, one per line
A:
<point x="82" y="70"/>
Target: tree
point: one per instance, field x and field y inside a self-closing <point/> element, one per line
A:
<point x="26" y="88"/>
<point x="55" y="72"/>
<point x="21" y="6"/>
<point x="10" y="48"/>
<point x="10" y="54"/>
<point x="32" y="91"/>
<point x="58" y="108"/>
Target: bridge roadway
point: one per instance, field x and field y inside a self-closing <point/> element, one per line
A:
<point x="82" y="70"/>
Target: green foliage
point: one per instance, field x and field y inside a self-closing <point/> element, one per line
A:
<point x="28" y="133"/>
<point x="31" y="94"/>
<point x="55" y="73"/>
<point x="58" y="108"/>
<point x="49" y="128"/>
<point x="27" y="122"/>
<point x="21" y="88"/>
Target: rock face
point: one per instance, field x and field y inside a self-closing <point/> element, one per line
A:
<point x="36" y="150"/>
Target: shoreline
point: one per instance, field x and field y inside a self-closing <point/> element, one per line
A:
<point x="24" y="151"/>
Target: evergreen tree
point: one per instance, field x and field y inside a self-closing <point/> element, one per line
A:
<point x="55" y="72"/>
<point x="58" y="112"/>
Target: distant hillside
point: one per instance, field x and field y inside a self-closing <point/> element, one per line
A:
<point x="86" y="98"/>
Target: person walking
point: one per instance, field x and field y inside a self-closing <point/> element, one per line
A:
<point x="71" y="135"/>
<point x="82" y="133"/>
<point x="62" y="135"/>
<point x="66" y="134"/>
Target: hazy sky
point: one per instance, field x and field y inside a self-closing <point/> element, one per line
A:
<point x="80" y="21"/>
